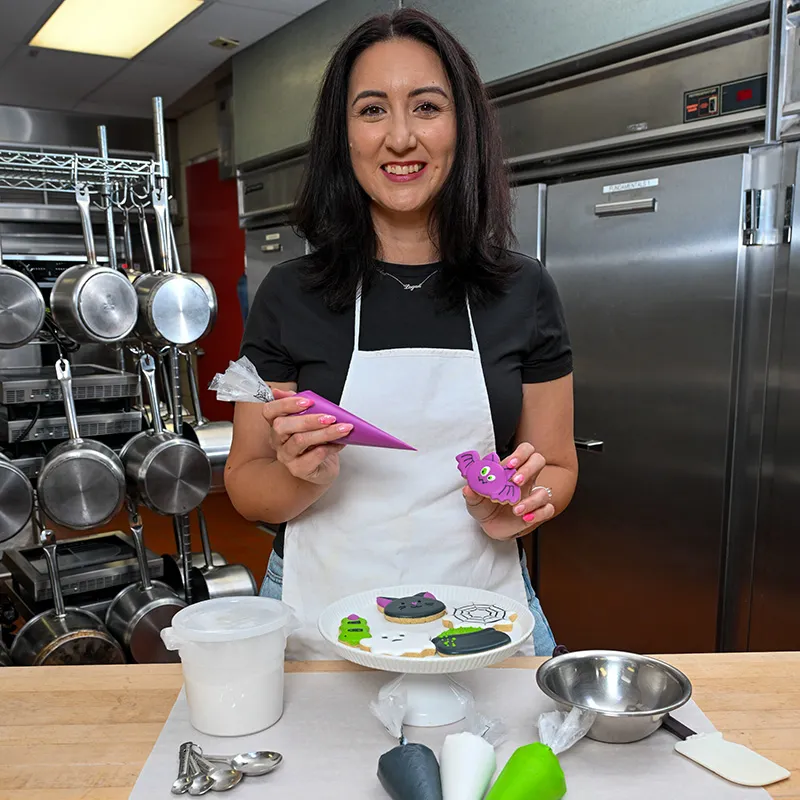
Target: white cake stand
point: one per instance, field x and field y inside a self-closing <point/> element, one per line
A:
<point x="434" y="698"/>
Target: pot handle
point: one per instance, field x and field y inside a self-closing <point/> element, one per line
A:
<point x="48" y="540"/>
<point x="83" y="201"/>
<point x="64" y="375"/>
<point x="141" y="553"/>
<point x="148" y="367"/>
<point x="194" y="391"/>
<point x="207" y="555"/>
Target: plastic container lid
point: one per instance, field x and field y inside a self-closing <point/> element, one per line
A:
<point x="228" y="619"/>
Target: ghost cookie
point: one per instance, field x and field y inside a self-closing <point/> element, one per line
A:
<point x="352" y="630"/>
<point x="414" y="610"/>
<point x="399" y="643"/>
<point x="468" y="640"/>
<point x="488" y="477"/>
<point x="481" y="615"/>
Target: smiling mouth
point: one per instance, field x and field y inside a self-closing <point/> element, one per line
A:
<point x="402" y="172"/>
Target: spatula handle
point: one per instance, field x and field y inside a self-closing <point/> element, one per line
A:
<point x="669" y="723"/>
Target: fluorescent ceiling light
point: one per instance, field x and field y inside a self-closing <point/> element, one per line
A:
<point x="118" y="28"/>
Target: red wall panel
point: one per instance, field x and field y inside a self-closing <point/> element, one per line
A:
<point x="217" y="251"/>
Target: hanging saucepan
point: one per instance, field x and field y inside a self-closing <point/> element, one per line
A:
<point x="91" y="303"/>
<point x="164" y="471"/>
<point x="16" y="499"/>
<point x="201" y="280"/>
<point x="173" y="576"/>
<point x="82" y="483"/>
<point x="214" y="437"/>
<point x="232" y="580"/>
<point x="140" y="611"/>
<point x="21" y="308"/>
<point x="62" y="636"/>
<point x="173" y="309"/>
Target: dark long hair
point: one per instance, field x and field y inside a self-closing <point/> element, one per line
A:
<point x="472" y="212"/>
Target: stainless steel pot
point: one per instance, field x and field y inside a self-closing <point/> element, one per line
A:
<point x="172" y="567"/>
<point x="232" y="580"/>
<point x="16" y="499"/>
<point x="62" y="636"/>
<point x="201" y="280"/>
<point x="215" y="438"/>
<point x="91" y="303"/>
<point x="82" y="483"/>
<point x="140" y="611"/>
<point x="173" y="309"/>
<point x="21" y="308"/>
<point x="164" y="471"/>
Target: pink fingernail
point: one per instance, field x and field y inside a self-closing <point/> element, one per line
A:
<point x="529" y="517"/>
<point x="344" y="428"/>
<point x="327" y="419"/>
<point x="518" y="479"/>
<point x="304" y="402"/>
<point x="513" y="463"/>
<point x="519" y="509"/>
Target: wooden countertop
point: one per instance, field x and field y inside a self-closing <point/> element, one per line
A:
<point x="84" y="733"/>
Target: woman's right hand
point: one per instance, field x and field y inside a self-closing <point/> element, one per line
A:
<point x="305" y="445"/>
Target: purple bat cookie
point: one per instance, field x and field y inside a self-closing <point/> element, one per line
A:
<point x="488" y="477"/>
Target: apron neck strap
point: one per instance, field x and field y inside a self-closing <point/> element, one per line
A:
<point x="357" y="324"/>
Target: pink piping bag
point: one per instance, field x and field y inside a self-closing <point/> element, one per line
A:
<point x="241" y="383"/>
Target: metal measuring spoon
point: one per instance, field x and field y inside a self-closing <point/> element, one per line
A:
<point x="201" y="781"/>
<point x="186" y="770"/>
<point x="254" y="763"/>
<point x="222" y="779"/>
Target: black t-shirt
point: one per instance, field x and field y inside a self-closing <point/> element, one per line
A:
<point x="291" y="335"/>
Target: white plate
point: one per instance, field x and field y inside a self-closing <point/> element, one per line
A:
<point x="364" y="604"/>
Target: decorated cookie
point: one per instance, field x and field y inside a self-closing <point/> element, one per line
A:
<point x="399" y="643"/>
<point x="488" y="477"/>
<point x="421" y="607"/>
<point x="481" y="615"/>
<point x="468" y="640"/>
<point x="352" y="630"/>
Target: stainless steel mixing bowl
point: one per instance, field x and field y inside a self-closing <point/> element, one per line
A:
<point x="630" y="693"/>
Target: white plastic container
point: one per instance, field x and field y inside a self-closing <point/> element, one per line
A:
<point x="232" y="651"/>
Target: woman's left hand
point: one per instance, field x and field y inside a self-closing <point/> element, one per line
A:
<point x="509" y="522"/>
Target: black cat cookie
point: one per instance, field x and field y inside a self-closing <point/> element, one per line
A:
<point x="414" y="610"/>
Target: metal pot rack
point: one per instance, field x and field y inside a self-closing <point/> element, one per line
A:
<point x="112" y="182"/>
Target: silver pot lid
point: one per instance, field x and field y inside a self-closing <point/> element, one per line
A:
<point x="81" y="491"/>
<point x="21" y="309"/>
<point x="180" y="310"/>
<point x="16" y="501"/>
<point x="178" y="478"/>
<point x="108" y="305"/>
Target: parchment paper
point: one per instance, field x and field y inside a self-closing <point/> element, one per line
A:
<point x="331" y="744"/>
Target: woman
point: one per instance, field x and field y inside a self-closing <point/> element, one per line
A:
<point x="412" y="314"/>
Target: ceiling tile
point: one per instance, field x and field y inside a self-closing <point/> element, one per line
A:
<point x="293" y="7"/>
<point x="189" y="43"/>
<point x="52" y="78"/>
<point x="20" y="18"/>
<point x="136" y="85"/>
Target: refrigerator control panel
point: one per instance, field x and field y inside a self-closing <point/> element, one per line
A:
<point x="725" y="98"/>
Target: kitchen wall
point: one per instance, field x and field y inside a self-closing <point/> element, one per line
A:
<point x="197" y="140"/>
<point x="276" y="80"/>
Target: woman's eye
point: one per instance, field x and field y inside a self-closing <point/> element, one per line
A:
<point x="371" y="111"/>
<point x="428" y="108"/>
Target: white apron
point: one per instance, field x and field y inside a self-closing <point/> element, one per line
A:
<point x="392" y="516"/>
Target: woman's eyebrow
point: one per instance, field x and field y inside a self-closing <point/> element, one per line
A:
<point x="376" y="93"/>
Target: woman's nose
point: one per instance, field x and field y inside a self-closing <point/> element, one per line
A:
<point x="401" y="136"/>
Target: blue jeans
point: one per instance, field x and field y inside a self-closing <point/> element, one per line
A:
<point x="543" y="641"/>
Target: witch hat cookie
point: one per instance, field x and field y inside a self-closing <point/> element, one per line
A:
<point x="363" y="432"/>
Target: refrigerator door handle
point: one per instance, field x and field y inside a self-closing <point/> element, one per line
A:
<point x="594" y="445"/>
<point x="644" y="205"/>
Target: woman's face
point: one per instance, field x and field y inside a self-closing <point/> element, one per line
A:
<point x="401" y="124"/>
